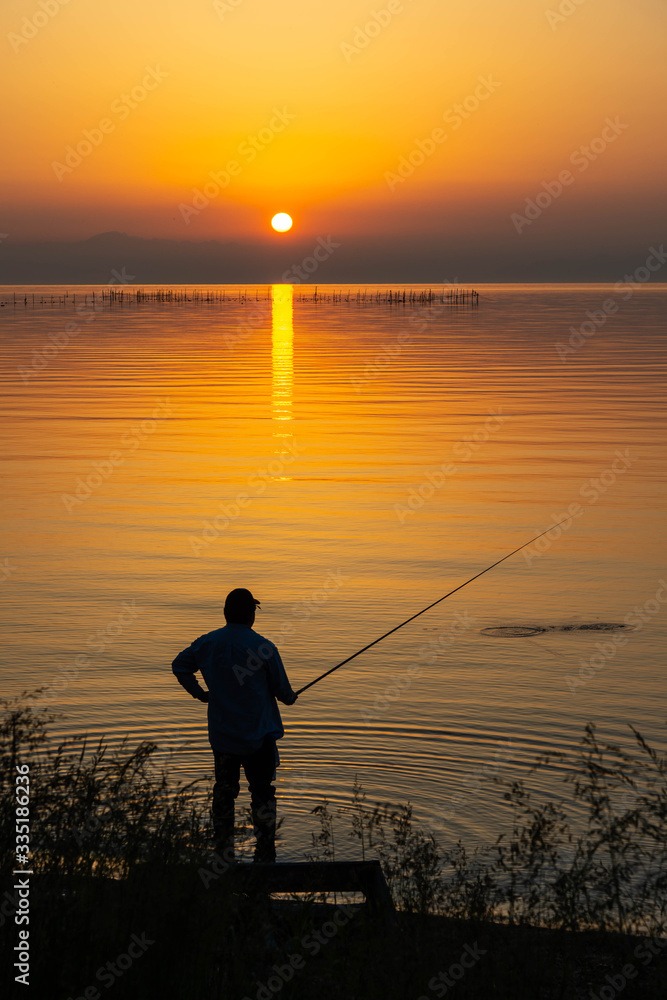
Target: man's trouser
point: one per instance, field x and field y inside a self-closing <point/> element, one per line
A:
<point x="260" y="771"/>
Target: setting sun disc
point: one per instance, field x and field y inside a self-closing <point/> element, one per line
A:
<point x="281" y="222"/>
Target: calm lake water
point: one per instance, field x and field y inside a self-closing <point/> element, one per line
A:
<point x="349" y="466"/>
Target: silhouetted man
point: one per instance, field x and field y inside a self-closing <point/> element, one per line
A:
<point x="244" y="675"/>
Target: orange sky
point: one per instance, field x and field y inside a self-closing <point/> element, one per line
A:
<point x="316" y="104"/>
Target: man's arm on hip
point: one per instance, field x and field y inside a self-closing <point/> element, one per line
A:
<point x="184" y="667"/>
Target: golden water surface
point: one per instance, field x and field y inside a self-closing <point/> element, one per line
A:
<point x="349" y="463"/>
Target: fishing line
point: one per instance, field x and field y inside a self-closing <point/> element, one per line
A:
<point x="440" y="599"/>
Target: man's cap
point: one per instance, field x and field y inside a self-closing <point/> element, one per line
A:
<point x="240" y="602"/>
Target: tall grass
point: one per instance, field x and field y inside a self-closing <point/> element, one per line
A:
<point x="607" y="873"/>
<point x="93" y="810"/>
<point x="119" y="848"/>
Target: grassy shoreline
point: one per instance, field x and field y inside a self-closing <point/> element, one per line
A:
<point x="118" y="899"/>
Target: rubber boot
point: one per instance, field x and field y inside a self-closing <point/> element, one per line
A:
<point x="223" y="828"/>
<point x="264" y="822"/>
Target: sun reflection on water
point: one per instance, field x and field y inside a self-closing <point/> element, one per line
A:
<point x="282" y="370"/>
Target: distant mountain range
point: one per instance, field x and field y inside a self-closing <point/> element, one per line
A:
<point x="156" y="261"/>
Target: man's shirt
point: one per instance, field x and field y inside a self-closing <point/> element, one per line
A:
<point x="244" y="675"/>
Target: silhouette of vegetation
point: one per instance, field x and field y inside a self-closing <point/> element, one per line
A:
<point x="604" y="869"/>
<point x="553" y="909"/>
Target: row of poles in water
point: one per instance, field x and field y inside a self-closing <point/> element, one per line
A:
<point x="130" y="296"/>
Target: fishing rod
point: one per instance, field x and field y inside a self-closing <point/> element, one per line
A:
<point x="440" y="599"/>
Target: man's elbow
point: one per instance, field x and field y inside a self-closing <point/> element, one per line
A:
<point x="182" y="673"/>
<point x="181" y="665"/>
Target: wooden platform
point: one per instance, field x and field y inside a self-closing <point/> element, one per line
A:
<point x="317" y="876"/>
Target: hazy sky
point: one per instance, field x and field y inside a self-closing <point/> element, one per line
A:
<point x="115" y="112"/>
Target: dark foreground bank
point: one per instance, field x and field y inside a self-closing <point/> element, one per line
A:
<point x="161" y="934"/>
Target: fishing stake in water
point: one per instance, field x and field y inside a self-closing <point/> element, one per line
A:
<point x="407" y="620"/>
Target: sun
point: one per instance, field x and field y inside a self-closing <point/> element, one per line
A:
<point x="281" y="222"/>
